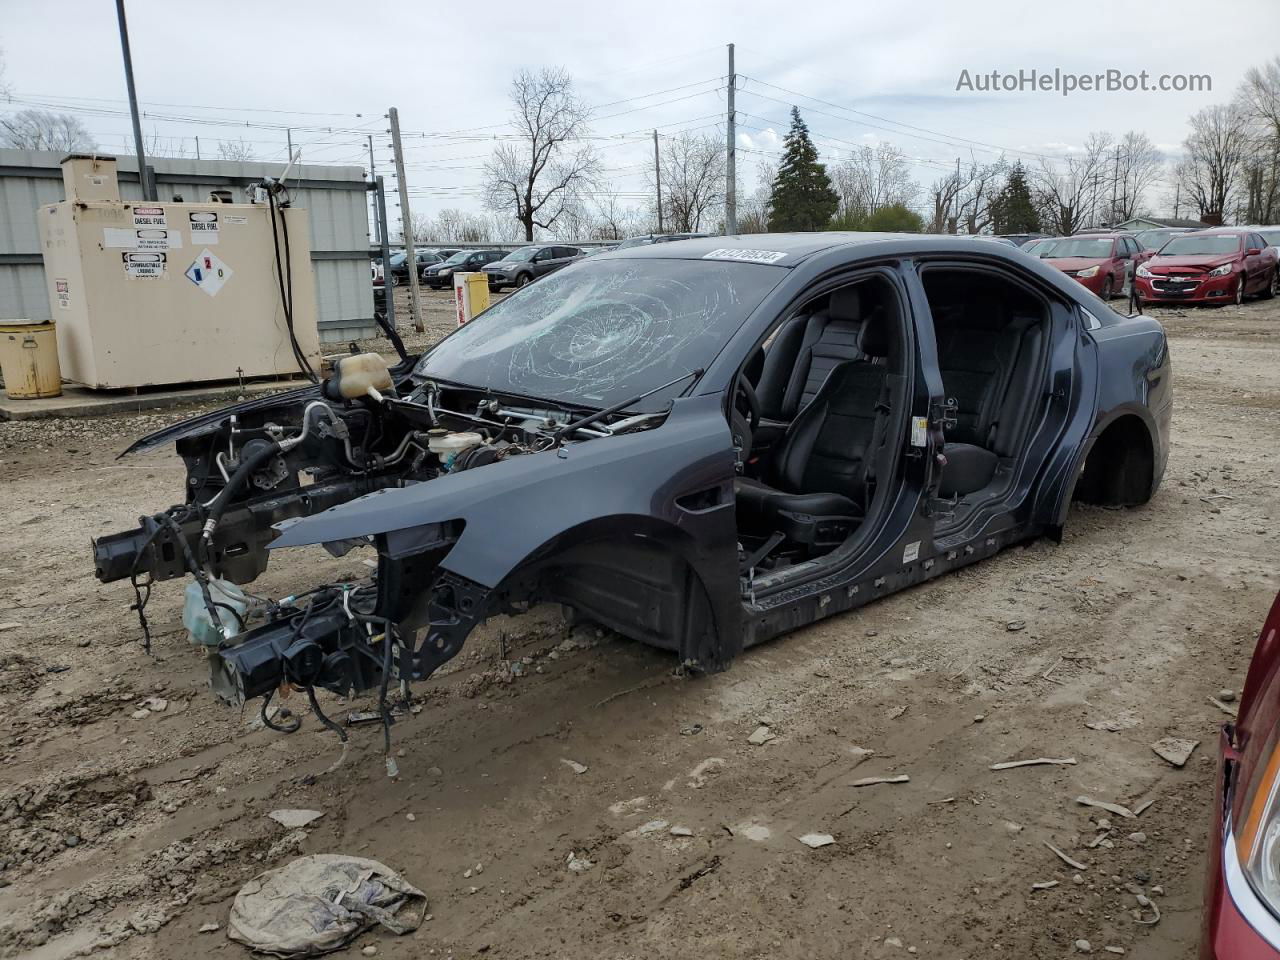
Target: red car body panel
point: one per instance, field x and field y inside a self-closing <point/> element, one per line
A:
<point x="1237" y="925"/>
<point x="1185" y="278"/>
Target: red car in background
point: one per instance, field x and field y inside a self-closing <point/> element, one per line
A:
<point x="1242" y="889"/>
<point x="1210" y="266"/>
<point x="1102" y="262"/>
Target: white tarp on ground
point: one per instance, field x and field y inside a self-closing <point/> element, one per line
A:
<point x="319" y="903"/>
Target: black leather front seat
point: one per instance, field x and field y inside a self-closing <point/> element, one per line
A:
<point x="819" y="482"/>
<point x="805" y="352"/>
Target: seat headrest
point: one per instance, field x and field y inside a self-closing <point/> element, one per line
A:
<point x="873" y="339"/>
<point x="845" y="304"/>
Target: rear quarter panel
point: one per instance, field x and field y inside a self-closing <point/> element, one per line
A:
<point x="1136" y="377"/>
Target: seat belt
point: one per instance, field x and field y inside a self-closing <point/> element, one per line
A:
<point x="1022" y="326"/>
<point x="879" y="435"/>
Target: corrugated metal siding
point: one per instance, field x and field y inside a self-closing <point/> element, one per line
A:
<point x="337" y="208"/>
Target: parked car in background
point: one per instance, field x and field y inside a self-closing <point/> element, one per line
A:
<point x="648" y="238"/>
<point x="1242" y="893"/>
<point x="424" y="258"/>
<point x="1271" y="234"/>
<point x="1222" y="265"/>
<point x="1022" y="239"/>
<point x="464" y="261"/>
<point x="527" y="264"/>
<point x="1104" y="263"/>
<point x="1158" y="237"/>
<point x="1040" y="248"/>
<point x="1004" y="240"/>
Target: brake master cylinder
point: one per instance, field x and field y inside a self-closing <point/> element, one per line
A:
<point x="448" y="446"/>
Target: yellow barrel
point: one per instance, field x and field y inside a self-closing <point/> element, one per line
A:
<point x="29" y="359"/>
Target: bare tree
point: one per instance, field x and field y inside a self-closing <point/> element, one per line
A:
<point x="1259" y="101"/>
<point x="158" y="146"/>
<point x="753" y="209"/>
<point x="979" y="186"/>
<point x="871" y="178"/>
<point x="503" y="228"/>
<point x="693" y="179"/>
<point x="235" y="150"/>
<point x="536" y="173"/>
<point x="1070" y="194"/>
<point x="42" y="130"/>
<point x="612" y="219"/>
<point x="1136" y="166"/>
<point x="943" y="197"/>
<point x="1216" y="153"/>
<point x="450" y="225"/>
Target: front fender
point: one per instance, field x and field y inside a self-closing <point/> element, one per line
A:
<point x="678" y="476"/>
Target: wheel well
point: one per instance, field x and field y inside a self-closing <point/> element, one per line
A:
<point x="1120" y="466"/>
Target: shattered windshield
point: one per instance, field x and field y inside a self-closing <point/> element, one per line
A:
<point x="605" y="330"/>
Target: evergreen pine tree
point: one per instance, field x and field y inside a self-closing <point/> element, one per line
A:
<point x="801" y="198"/>
<point x="1013" y="210"/>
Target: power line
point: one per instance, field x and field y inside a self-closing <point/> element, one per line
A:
<point x="946" y="139"/>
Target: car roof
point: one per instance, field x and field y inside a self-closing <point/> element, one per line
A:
<point x="790" y="249"/>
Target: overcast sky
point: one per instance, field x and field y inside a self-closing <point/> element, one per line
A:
<point x="448" y="68"/>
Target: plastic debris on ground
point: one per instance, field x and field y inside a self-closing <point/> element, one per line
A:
<point x="319" y="903"/>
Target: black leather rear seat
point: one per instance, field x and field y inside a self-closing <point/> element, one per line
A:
<point x="987" y="359"/>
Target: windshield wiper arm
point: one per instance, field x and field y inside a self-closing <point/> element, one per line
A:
<point x="610" y="410"/>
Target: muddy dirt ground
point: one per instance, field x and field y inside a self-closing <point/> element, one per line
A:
<point x="129" y="828"/>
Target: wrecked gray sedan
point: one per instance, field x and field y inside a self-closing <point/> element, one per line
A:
<point x="701" y="445"/>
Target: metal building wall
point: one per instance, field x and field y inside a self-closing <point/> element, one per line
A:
<point x="335" y="198"/>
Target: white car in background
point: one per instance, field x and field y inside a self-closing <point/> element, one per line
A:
<point x="1271" y="235"/>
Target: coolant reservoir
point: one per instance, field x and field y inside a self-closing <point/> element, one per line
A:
<point x="447" y="446"/>
<point x="227" y="598"/>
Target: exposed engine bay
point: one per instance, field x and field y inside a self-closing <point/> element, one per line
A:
<point x="272" y="461"/>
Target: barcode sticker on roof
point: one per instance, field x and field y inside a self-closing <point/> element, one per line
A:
<point x="747" y="256"/>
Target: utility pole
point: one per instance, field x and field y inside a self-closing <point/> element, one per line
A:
<point x="657" y="178"/>
<point x="731" y="158"/>
<point x="1177" y="198"/>
<point x="288" y="136"/>
<point x="406" y="222"/>
<point x="373" y="177"/>
<point x="197" y="148"/>
<point x="148" y="186"/>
